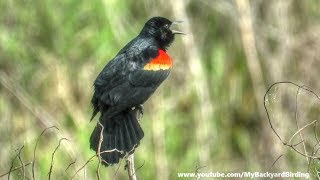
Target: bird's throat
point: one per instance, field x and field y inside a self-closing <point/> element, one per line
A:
<point x="162" y="62"/>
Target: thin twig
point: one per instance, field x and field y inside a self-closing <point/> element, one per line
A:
<point x="90" y="159"/>
<point x="11" y="167"/>
<point x="52" y="157"/>
<point x="115" y="174"/>
<point x="317" y="173"/>
<point x="292" y="146"/>
<point x="198" y="170"/>
<point x="22" y="163"/>
<point x="266" y="109"/>
<point x="73" y="162"/>
<point x="265" y="99"/>
<point x="137" y="169"/>
<point x="315" y="132"/>
<point x="44" y="118"/>
<point x="301" y="130"/>
<point x="314" y="152"/>
<point x="16" y="168"/>
<point x="297" y="124"/>
<point x="35" y="148"/>
<point x="316" y="137"/>
<point x="275" y="162"/>
<point x="82" y="166"/>
<point x="305" y="155"/>
<point x="297" y="143"/>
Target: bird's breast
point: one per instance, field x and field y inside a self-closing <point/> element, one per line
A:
<point x="161" y="62"/>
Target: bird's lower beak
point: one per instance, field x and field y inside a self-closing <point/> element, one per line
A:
<point x="176" y="31"/>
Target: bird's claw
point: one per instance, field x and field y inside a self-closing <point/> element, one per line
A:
<point x="140" y="110"/>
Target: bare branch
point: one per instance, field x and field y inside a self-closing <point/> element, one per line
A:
<point x="99" y="149"/>
<point x="312" y="157"/>
<point x="22" y="163"/>
<point x="130" y="167"/>
<point x="115" y="174"/>
<point x="17" y="156"/>
<point x="73" y="162"/>
<point x="83" y="166"/>
<point x="315" y="132"/>
<point x="297" y="143"/>
<point x="137" y="169"/>
<point x="89" y="160"/>
<point x="16" y="168"/>
<point x="130" y="162"/>
<point x="266" y="109"/>
<point x="301" y="130"/>
<point x="302" y="154"/>
<point x="314" y="152"/>
<point x="52" y="157"/>
<point x="275" y="162"/>
<point x="35" y="148"/>
<point x="297" y="124"/>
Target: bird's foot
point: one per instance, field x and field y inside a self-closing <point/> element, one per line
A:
<point x="139" y="111"/>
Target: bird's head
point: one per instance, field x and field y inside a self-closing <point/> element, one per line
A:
<point x="159" y="28"/>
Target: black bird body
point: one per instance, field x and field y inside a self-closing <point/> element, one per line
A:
<point x="127" y="81"/>
<point x="123" y="82"/>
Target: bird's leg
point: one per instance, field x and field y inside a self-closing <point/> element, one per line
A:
<point x="139" y="111"/>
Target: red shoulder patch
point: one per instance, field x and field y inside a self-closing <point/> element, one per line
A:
<point x="162" y="62"/>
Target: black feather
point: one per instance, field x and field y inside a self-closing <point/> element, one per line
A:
<point x="123" y="84"/>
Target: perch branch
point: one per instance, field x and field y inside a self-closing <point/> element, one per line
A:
<point x="99" y="149"/>
<point x="130" y="167"/>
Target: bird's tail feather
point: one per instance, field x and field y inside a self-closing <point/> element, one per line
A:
<point x="120" y="136"/>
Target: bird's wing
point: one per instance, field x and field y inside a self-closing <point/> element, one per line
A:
<point x="148" y="78"/>
<point x="115" y="74"/>
<point x="155" y="68"/>
<point x="112" y="75"/>
<point x="126" y="74"/>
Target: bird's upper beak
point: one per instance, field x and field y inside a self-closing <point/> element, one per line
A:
<point x="176" y="31"/>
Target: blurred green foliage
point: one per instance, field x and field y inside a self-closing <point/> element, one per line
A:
<point x="206" y="115"/>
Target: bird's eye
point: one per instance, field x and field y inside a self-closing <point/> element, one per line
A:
<point x="166" y="26"/>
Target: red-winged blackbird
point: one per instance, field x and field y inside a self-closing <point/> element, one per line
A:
<point x="124" y="84"/>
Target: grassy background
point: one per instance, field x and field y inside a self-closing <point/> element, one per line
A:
<point x="208" y="113"/>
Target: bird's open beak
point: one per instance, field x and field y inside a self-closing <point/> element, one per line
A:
<point x="176" y="31"/>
